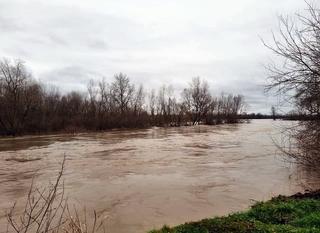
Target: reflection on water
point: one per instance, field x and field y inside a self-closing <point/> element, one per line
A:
<point x="142" y="179"/>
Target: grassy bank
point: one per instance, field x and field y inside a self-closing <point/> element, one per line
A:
<point x="299" y="214"/>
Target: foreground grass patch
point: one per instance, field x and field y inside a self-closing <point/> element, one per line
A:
<point x="296" y="214"/>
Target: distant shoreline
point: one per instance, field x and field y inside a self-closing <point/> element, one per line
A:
<point x="76" y="131"/>
<point x="79" y="131"/>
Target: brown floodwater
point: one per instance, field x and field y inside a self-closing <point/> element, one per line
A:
<point x="143" y="179"/>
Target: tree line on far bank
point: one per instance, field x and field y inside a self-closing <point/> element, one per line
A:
<point x="27" y="106"/>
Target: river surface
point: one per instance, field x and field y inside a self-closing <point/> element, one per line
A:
<point x="143" y="179"/>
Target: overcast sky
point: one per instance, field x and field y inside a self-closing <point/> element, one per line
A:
<point x="66" y="43"/>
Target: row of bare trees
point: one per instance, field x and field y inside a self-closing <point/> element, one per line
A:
<point x="27" y="106"/>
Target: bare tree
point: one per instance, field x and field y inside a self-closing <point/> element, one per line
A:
<point x="122" y="92"/>
<point x="165" y="105"/>
<point x="152" y="104"/>
<point x="18" y="95"/>
<point x="138" y="101"/>
<point x="273" y="112"/>
<point x="298" y="44"/>
<point x="197" y="99"/>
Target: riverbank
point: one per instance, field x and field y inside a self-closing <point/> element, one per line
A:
<point x="297" y="213"/>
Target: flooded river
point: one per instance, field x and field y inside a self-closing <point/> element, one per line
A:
<point x="142" y="179"/>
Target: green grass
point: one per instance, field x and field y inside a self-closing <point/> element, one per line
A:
<point x="279" y="215"/>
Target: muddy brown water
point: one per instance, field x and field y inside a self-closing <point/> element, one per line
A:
<point x="143" y="179"/>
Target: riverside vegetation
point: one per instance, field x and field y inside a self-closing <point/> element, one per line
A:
<point x="296" y="214"/>
<point x="28" y="106"/>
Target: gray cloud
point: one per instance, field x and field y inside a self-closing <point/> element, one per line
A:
<point x="70" y="78"/>
<point x="66" y="43"/>
<point x="7" y="25"/>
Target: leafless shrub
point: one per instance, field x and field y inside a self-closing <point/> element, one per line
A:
<point x="46" y="210"/>
<point x="302" y="144"/>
